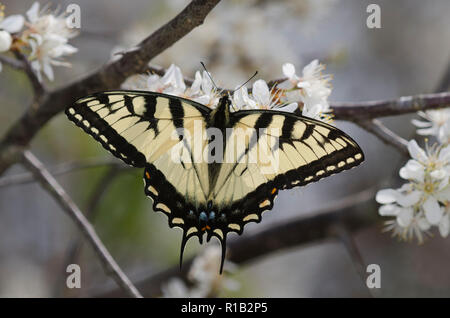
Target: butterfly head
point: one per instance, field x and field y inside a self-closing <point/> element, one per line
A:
<point x="221" y="114"/>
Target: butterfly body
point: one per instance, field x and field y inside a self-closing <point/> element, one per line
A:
<point x="217" y="181"/>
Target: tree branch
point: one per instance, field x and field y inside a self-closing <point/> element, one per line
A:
<point x="386" y="135"/>
<point x="308" y="229"/>
<point x="110" y="76"/>
<point x="57" y="192"/>
<point x="38" y="87"/>
<point x="374" y="109"/>
<point x="61" y="169"/>
<point x="14" y="63"/>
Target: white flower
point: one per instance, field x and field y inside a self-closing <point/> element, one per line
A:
<point x="203" y="276"/>
<point x="419" y="204"/>
<point x="241" y="99"/>
<point x="261" y="98"/>
<point x="171" y="83"/>
<point x="11" y="24"/>
<point x="312" y="89"/>
<point x="437" y="124"/>
<point x="48" y="37"/>
<point x="203" y="90"/>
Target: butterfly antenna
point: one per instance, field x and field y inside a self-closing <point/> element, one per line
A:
<point x="209" y="75"/>
<point x="246" y="82"/>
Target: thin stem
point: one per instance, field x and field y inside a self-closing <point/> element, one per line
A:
<point x="14" y="63"/>
<point x="49" y="183"/>
<point x="349" y="243"/>
<point x="386" y="135"/>
<point x="61" y="169"/>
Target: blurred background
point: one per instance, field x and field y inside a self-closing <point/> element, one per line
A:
<point x="408" y="55"/>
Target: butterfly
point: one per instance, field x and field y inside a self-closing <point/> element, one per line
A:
<point x="205" y="183"/>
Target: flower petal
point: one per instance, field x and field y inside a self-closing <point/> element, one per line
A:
<point x="261" y="92"/>
<point x="421" y="124"/>
<point x="444" y="225"/>
<point x="386" y="196"/>
<point x="413" y="170"/>
<point x="33" y="12"/>
<point x="289" y="108"/>
<point x="13" y="23"/>
<point x="409" y="199"/>
<point x="423" y="224"/>
<point x="405" y="217"/>
<point x="433" y="211"/>
<point x="389" y="210"/>
<point x="415" y="151"/>
<point x="5" y="41"/>
<point x="288" y="70"/>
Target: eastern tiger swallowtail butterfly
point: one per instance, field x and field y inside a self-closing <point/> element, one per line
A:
<point x="211" y="197"/>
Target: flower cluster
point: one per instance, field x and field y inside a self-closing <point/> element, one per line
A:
<point x="204" y="278"/>
<point x="44" y="41"/>
<point x="437" y="124"/>
<point x="311" y="90"/>
<point x="424" y="201"/>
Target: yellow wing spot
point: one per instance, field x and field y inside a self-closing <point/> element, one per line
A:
<point x="273" y="190"/>
<point x="191" y="230"/>
<point x="78" y="117"/>
<point x="147" y="175"/>
<point x="94" y="130"/>
<point x="219" y="232"/>
<point x="331" y="168"/>
<point x="163" y="207"/>
<point x="177" y="221"/>
<point x="234" y="226"/>
<point x="250" y="217"/>
<point x="350" y="160"/>
<point x="71" y="111"/>
<point x="308" y="178"/>
<point x="264" y="203"/>
<point x="153" y="190"/>
<point x="319" y="173"/>
<point x="103" y="138"/>
<point x="358" y="156"/>
<point x="341" y="164"/>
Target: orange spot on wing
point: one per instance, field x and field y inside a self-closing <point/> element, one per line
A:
<point x="208" y="227"/>
<point x="274" y="190"/>
<point x="203" y="229"/>
<point x="147" y="175"/>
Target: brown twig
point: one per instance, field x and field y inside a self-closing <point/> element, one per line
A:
<point x="57" y="192"/>
<point x="38" y="86"/>
<point x="386" y="135"/>
<point x="374" y="109"/>
<point x="347" y="240"/>
<point x="14" y="63"/>
<point x="61" y="169"/>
